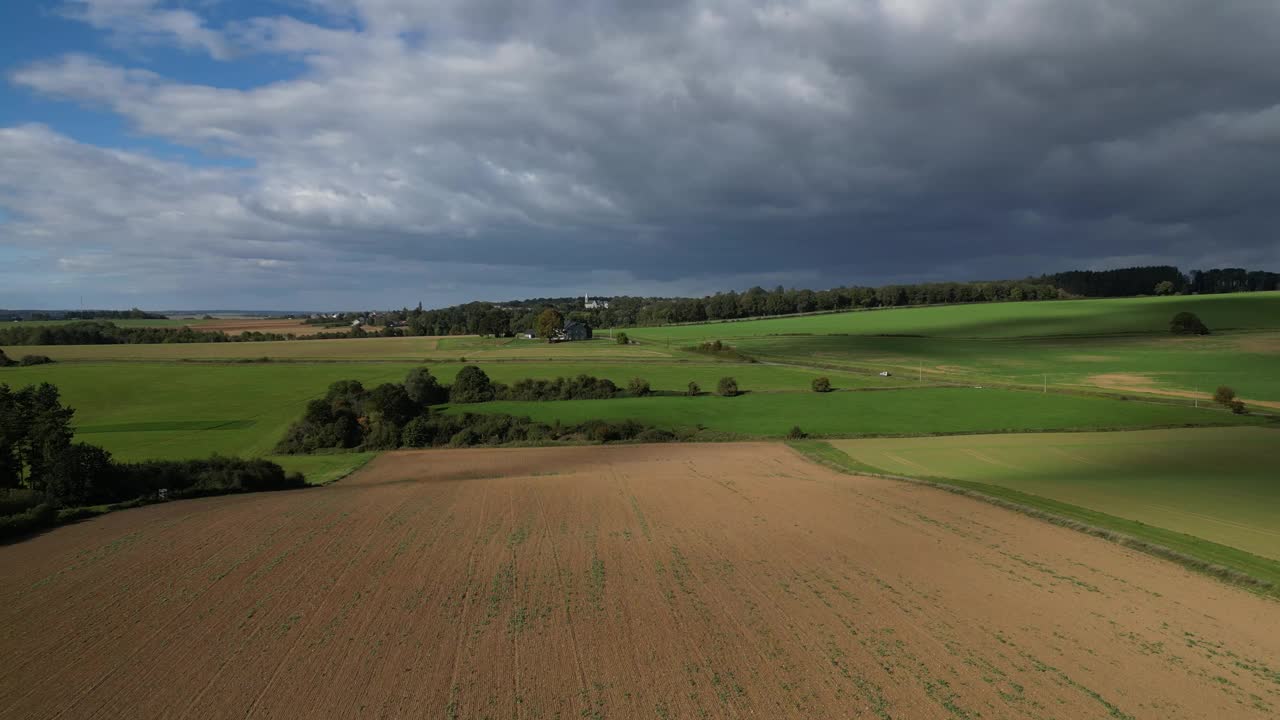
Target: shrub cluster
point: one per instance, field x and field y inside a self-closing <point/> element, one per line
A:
<point x="722" y="350"/>
<point x="400" y="415"/>
<point x="1226" y="397"/>
<point x="582" y="387"/>
<point x="821" y="384"/>
<point x="27" y="360"/>
<point x="470" y="430"/>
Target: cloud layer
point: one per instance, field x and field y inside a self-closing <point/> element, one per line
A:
<point x="485" y="148"/>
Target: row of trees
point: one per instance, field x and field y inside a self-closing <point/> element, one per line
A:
<point x="97" y="332"/>
<point x="1229" y="280"/>
<point x="131" y="314"/>
<point x="483" y="318"/>
<point x="395" y="415"/>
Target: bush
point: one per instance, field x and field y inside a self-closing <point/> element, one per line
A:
<point x="36" y="518"/>
<point x="693" y="389"/>
<point x="583" y="387"/>
<point x="18" y="500"/>
<point x="796" y="433"/>
<point x="721" y="350"/>
<point x="418" y="433"/>
<point x="639" y="387"/>
<point x="1237" y="407"/>
<point x="1187" y="323"/>
<point x="4" y="360"/>
<point x="29" y="360"/>
<point x="623" y="339"/>
<point x="727" y="387"/>
<point x="471" y="386"/>
<point x="821" y="384"/>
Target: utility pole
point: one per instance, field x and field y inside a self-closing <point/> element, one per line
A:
<point x="920" y="376"/>
<point x="1046" y="383"/>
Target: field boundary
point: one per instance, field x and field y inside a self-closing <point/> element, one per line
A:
<point x="1242" y="569"/>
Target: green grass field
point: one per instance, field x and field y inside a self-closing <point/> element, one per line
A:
<point x="1184" y="366"/>
<point x="175" y="410"/>
<point x="405" y="349"/>
<point x="889" y="412"/>
<point x="1220" y="484"/>
<point x="1251" y="311"/>
<point x="1119" y="345"/>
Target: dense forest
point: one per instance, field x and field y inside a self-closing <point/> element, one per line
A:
<point x="42" y="472"/>
<point x="1161" y="280"/>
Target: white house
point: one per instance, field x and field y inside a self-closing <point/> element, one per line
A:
<point x="594" y="304"/>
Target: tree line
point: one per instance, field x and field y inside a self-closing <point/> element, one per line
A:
<point x="131" y="314"/>
<point x="1161" y="280"/>
<point x="392" y="415"/>
<point x="97" y="332"/>
<point x="43" y="473"/>
<point x="510" y="318"/>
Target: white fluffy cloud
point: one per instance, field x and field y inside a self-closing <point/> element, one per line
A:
<point x="669" y="145"/>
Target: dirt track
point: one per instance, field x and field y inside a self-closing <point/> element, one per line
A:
<point x="675" y="581"/>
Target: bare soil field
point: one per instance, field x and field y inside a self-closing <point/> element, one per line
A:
<point x="671" y="581"/>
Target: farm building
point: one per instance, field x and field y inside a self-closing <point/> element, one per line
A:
<point x="573" y="330"/>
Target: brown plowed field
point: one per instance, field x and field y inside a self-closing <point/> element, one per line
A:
<point x="284" y="326"/>
<point x="676" y="581"/>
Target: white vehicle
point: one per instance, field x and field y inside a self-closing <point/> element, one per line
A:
<point x="885" y="373"/>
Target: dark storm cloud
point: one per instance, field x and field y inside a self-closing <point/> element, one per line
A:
<point x="687" y="146"/>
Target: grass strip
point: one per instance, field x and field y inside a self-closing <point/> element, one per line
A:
<point x="1233" y="566"/>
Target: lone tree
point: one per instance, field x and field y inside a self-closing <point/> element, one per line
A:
<point x="548" y="322"/>
<point x="639" y="387"/>
<point x="1187" y="323"/>
<point x="728" y="387"/>
<point x="623" y="339"/>
<point x="821" y="384"/>
<point x="1226" y="397"/>
<point x="471" y="386"/>
<point x="693" y="390"/>
<point x="1164" y="287"/>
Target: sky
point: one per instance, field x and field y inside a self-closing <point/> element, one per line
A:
<point x="335" y="154"/>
